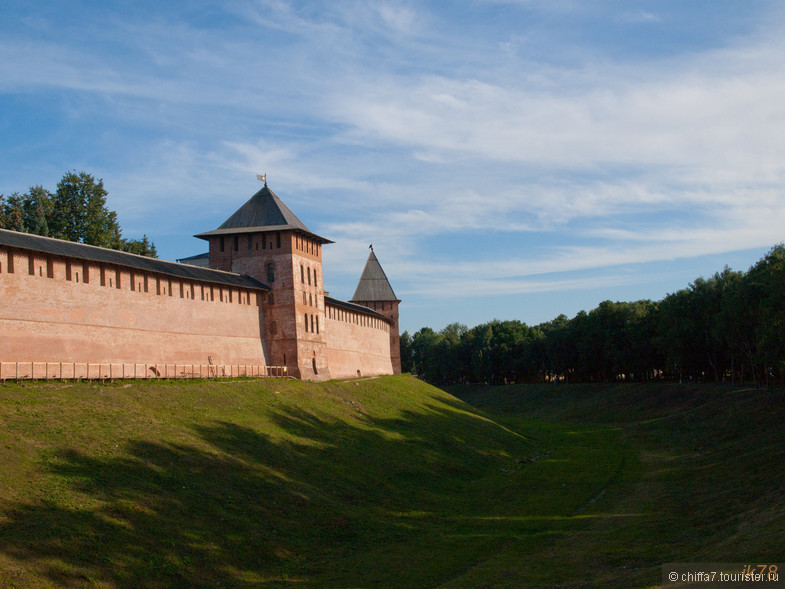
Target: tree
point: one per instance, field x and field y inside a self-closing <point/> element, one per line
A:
<point x="407" y="361"/>
<point x="556" y="349"/>
<point x="79" y="212"/>
<point x="76" y="212"/>
<point x="38" y="206"/>
<point x="141" y="247"/>
<point x="11" y="212"/>
<point x="759" y="313"/>
<point x="423" y="348"/>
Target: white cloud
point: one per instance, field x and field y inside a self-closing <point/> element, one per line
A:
<point x="640" y="16"/>
<point x="375" y="125"/>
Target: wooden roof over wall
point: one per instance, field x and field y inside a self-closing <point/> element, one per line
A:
<point x="354" y="307"/>
<point x="91" y="253"/>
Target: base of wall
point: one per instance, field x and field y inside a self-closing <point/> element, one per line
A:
<point x="109" y="371"/>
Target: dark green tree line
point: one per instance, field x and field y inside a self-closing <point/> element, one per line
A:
<point x="77" y="211"/>
<point x="729" y="327"/>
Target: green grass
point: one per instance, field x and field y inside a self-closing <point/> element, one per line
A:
<point x="384" y="482"/>
<point x="702" y="481"/>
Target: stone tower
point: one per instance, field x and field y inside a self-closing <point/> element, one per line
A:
<point x="374" y="291"/>
<point x="266" y="241"/>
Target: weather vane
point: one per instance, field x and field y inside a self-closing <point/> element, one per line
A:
<point x="262" y="178"/>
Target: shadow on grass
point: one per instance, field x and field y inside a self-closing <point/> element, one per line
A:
<point x="242" y="509"/>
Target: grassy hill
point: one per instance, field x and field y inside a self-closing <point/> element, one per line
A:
<point x="384" y="482"/>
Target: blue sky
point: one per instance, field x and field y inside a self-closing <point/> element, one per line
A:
<point x="508" y="159"/>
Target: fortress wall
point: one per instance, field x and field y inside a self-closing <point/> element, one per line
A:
<point x="58" y="309"/>
<point x="357" y="344"/>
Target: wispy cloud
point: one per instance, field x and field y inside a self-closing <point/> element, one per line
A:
<point x="640" y="16"/>
<point x="410" y="125"/>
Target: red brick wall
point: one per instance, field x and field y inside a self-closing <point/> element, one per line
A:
<point x="356" y="344"/>
<point x="390" y="310"/>
<point x="57" y="309"/>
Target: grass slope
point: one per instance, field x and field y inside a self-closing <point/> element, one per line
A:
<point x="248" y="483"/>
<point x="701" y="481"/>
<point x="383" y="482"/>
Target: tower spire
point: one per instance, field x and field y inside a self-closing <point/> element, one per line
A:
<point x="374" y="291"/>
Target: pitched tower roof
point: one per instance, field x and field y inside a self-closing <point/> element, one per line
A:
<point x="373" y="285"/>
<point x="264" y="211"/>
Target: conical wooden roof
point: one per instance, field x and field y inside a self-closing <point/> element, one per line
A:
<point x="264" y="211"/>
<point x="373" y="285"/>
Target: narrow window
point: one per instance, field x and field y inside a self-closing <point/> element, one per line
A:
<point x="236" y="243"/>
<point x="68" y="271"/>
<point x="317" y="324"/>
<point x="31" y="265"/>
<point x="311" y="322"/>
<point x="314" y="278"/>
<point x="86" y="274"/>
<point x="270" y="272"/>
<point x="250" y="242"/>
<point x="278" y="239"/>
<point x="302" y="274"/>
<point x="309" y="276"/>
<point x="264" y="241"/>
<point x="306" y="322"/>
<point x="222" y="244"/>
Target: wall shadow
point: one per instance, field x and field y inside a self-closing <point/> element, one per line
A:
<point x="243" y="509"/>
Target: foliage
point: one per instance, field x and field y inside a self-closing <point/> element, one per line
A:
<point x="80" y="213"/>
<point x="76" y="212"/>
<point x="142" y="247"/>
<point x="728" y="327"/>
<point x="29" y="212"/>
